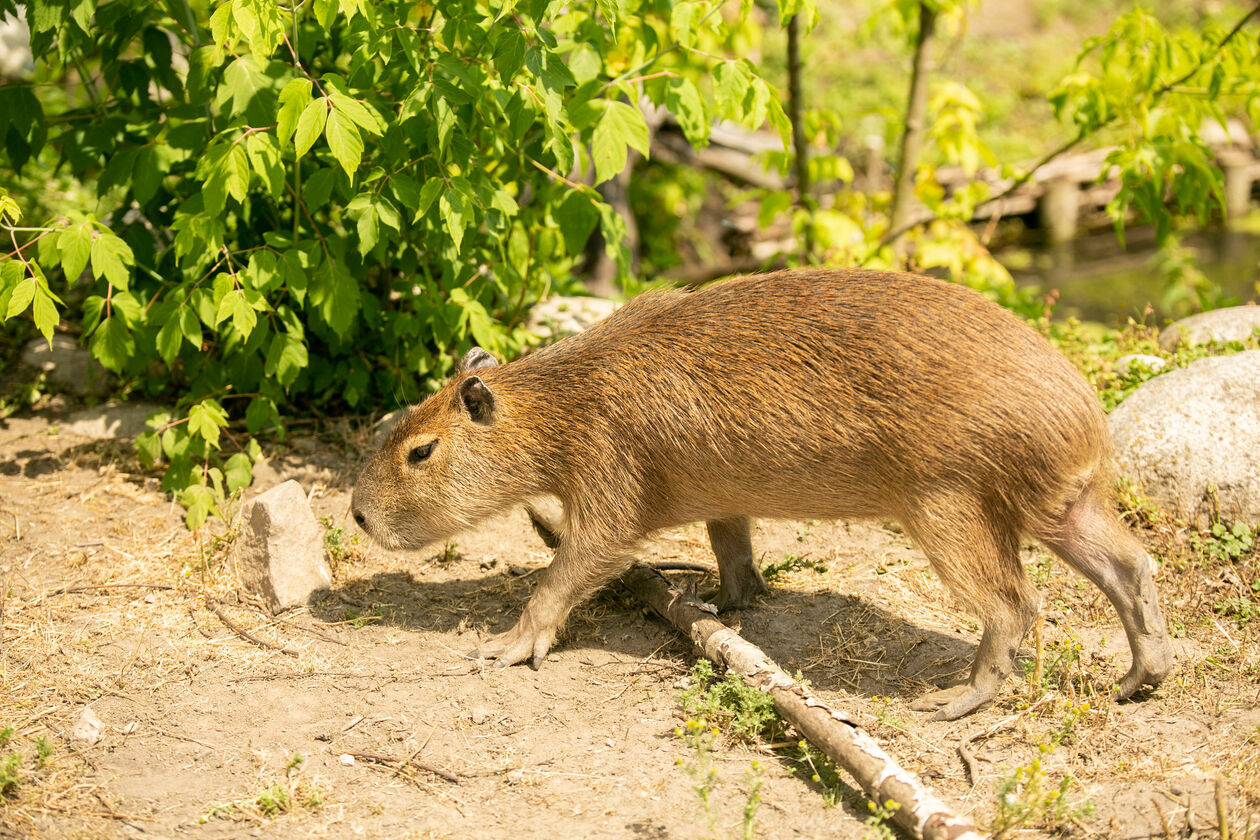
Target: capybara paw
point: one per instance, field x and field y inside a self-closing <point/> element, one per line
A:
<point x="516" y="645"/>
<point x="736" y="597"/>
<point x="953" y="702"/>
<point x="1143" y="674"/>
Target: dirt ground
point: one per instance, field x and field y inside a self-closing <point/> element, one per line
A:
<point x="209" y="735"/>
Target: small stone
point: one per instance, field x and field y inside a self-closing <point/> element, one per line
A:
<point x="346" y="760"/>
<point x="516" y="776"/>
<point x="480" y="715"/>
<point x="518" y="571"/>
<point x="1126" y="364"/>
<point x="558" y="317"/>
<point x="88" y="730"/>
<point x="489" y="563"/>
<point x="280" y="549"/>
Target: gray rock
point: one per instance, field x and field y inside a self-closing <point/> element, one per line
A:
<point x="1234" y="323"/>
<point x="382" y="428"/>
<point x="280" y="550"/>
<point x="110" y="421"/>
<point x="557" y="317"/>
<point x="1125" y="364"/>
<point x="88" y="729"/>
<point x="67" y="365"/>
<point x="1193" y="432"/>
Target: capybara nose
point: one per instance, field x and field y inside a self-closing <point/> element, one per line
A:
<point x="360" y="520"/>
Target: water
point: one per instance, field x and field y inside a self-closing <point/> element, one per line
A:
<point x="1098" y="280"/>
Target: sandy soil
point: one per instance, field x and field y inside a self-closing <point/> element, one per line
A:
<point x="200" y="722"/>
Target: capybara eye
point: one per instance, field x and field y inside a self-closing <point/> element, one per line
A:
<point x="420" y="453"/>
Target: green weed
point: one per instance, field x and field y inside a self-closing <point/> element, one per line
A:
<point x="790" y="563"/>
<point x="746" y="712"/>
<point x="43" y="751"/>
<point x="1224" y="542"/>
<point x="10" y="773"/>
<point x="1028" y="798"/>
<point x="340" y="548"/>
<point x="877" y="824"/>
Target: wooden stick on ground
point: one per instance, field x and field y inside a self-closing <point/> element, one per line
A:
<point x="844" y="742"/>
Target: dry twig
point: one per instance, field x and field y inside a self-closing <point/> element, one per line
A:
<point x="400" y="765"/>
<point x="921" y="813"/>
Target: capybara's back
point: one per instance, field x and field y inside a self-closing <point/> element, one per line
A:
<point x="799" y="394"/>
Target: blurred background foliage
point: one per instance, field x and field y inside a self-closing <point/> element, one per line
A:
<point x="255" y="211"/>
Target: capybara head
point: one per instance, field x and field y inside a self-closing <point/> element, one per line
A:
<point x="436" y="475"/>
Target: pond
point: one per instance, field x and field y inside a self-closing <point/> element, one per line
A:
<point x="1098" y="280"/>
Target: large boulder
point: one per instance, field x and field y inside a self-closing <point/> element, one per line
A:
<point x="1193" y="433"/>
<point x="280" y="549"/>
<point x="106" y="422"/>
<point x="1234" y="323"/>
<point x="68" y="365"/>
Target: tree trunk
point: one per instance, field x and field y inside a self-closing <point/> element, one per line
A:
<point x="799" y="145"/>
<point x="916" y="115"/>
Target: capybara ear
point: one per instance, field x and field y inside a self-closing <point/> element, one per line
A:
<point x="477" y="399"/>
<point x="476" y="359"/>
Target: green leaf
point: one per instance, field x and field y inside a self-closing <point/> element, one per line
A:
<point x="200" y="502"/>
<point x="681" y="18"/>
<point x="23" y="294"/>
<point x="238" y="472"/>
<point x="684" y="102"/>
<point x="43" y="311"/>
<point x="620" y="127"/>
<point x="577" y="218"/>
<point x="428" y="193"/>
<point x="112" y="344"/>
<point x="190" y="326"/>
<point x="110" y="258"/>
<point x="241" y="82"/>
<point x="286" y="358"/>
<point x="361" y="115"/>
<point x="344" y="141"/>
<point x="336" y="294"/>
<point x="454" y="212"/>
<point x="294" y="98"/>
<point x="261" y="414"/>
<point x="235" y="306"/>
<point x="169" y="338"/>
<point x="149" y="448"/>
<point x="310" y="125"/>
<point x="205" y="419"/>
<point x="509" y="53"/>
<point x="75" y="244"/>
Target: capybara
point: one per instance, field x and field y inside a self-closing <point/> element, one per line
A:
<point x="800" y="394"/>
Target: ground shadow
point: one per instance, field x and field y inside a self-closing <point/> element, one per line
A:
<point x="841" y="642"/>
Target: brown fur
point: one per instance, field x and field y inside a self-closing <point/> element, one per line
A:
<point x="800" y="394"/>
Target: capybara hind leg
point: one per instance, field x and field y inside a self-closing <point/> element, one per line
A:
<point x="980" y="564"/>
<point x="1092" y="540"/>
<point x="739" y="580"/>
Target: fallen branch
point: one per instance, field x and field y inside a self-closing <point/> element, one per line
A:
<point x="245" y="634"/>
<point x="401" y="765"/>
<point x="920" y="812"/>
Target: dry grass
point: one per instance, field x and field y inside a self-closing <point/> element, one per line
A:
<point x="879" y="630"/>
